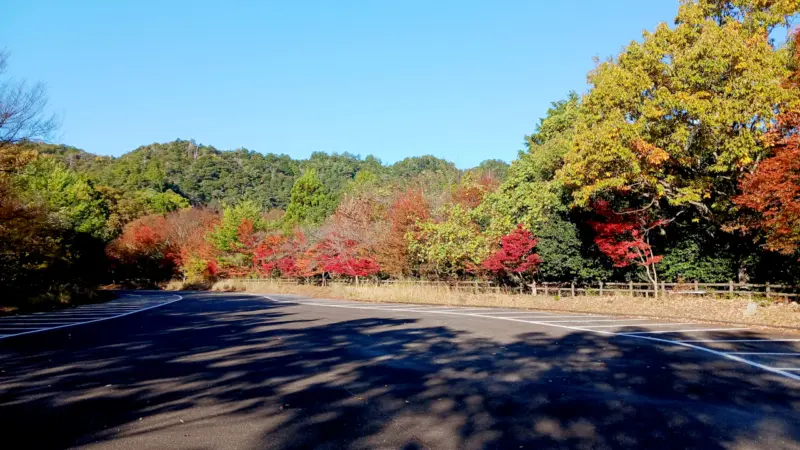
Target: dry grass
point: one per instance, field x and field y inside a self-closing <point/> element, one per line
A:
<point x="704" y="309"/>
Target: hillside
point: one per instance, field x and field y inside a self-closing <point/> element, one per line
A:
<point x="204" y="175"/>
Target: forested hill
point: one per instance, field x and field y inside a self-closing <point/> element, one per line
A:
<point x="204" y="175"/>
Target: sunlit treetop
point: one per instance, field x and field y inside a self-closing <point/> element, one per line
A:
<point x="678" y="115"/>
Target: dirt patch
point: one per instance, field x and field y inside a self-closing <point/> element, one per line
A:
<point x="702" y="309"/>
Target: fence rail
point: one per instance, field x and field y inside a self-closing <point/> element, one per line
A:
<point x="730" y="289"/>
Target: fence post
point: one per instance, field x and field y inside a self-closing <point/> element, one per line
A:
<point x="768" y="290"/>
<point x="601" y="288"/>
<point x="664" y="288"/>
<point x="573" y="288"/>
<point x="730" y="286"/>
<point x="545" y="289"/>
<point x="630" y="286"/>
<point x="696" y="286"/>
<point x="533" y="288"/>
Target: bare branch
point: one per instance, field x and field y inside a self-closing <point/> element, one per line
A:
<point x="23" y="115"/>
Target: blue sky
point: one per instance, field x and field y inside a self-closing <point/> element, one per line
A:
<point x="463" y="80"/>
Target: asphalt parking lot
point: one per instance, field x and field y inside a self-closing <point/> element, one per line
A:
<point x="244" y="371"/>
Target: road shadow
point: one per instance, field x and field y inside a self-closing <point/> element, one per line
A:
<point x="292" y="379"/>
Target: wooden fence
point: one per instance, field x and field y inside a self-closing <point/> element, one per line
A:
<point x="730" y="289"/>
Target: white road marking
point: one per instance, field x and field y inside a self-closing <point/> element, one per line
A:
<point x="81" y="314"/>
<point x="540" y="313"/>
<point x="466" y="309"/>
<point x="685" y="331"/>
<point x="117" y="307"/>
<point x="541" y="316"/>
<point x="765" y="353"/>
<point x="779" y="371"/>
<point x="596" y="320"/>
<point x="435" y="308"/>
<point x="655" y="324"/>
<point x="38" y="330"/>
<point x="788" y="368"/>
<point x="741" y="340"/>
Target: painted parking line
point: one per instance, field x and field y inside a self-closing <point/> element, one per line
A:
<point x="36" y="319"/>
<point x="655" y="324"/>
<point x="146" y="306"/>
<point x="539" y="316"/>
<point x="596" y="320"/>
<point x="475" y="310"/>
<point x="766" y="353"/>
<point x="740" y="340"/>
<point x="97" y="308"/>
<point x="695" y="330"/>
<point x="90" y="313"/>
<point x="637" y="335"/>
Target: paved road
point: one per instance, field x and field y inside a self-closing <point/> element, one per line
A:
<point x="242" y="371"/>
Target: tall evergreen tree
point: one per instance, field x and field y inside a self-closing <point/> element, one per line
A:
<point x="310" y="201"/>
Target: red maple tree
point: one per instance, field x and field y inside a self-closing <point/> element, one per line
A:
<point x="267" y="255"/>
<point x="345" y="257"/>
<point x="516" y="256"/>
<point x="773" y="189"/>
<point x="625" y="238"/>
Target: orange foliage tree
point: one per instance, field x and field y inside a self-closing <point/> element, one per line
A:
<point x="407" y="210"/>
<point x="773" y="189"/>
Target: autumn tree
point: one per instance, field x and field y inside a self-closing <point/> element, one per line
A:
<point x="448" y="248"/>
<point x="193" y="254"/>
<point x="234" y="237"/>
<point x="473" y="188"/>
<point x="625" y="237"/>
<point x="673" y="119"/>
<point x="772" y="191"/>
<point x="338" y="255"/>
<point x="531" y="195"/>
<point x="142" y="253"/>
<point x="516" y="256"/>
<point x="407" y="210"/>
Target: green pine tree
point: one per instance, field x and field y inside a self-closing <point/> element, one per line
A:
<point x="310" y="201"/>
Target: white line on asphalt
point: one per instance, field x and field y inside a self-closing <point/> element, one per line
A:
<point x="93" y="320"/>
<point x="539" y="316"/>
<point x="788" y="368"/>
<point x="96" y="308"/>
<point x="539" y="313"/>
<point x="50" y="317"/>
<point x="595" y="320"/>
<point x="684" y="331"/>
<point x="741" y="340"/>
<point x="766" y="353"/>
<point x="465" y="309"/>
<point x="657" y="324"/>
<point x="41" y="319"/>
<point x="76" y="313"/>
<point x="427" y="308"/>
<point x="784" y="373"/>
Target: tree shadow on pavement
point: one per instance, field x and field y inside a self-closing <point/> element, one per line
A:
<point x="234" y="371"/>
